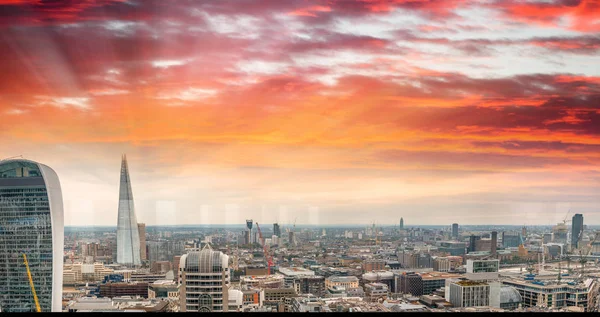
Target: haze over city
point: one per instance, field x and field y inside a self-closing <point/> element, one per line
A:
<point x="323" y="112"/>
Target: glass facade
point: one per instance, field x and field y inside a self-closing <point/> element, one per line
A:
<point x="30" y="221"/>
<point x="128" y="238"/>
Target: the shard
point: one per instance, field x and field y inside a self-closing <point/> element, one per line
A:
<point x="128" y="239"/>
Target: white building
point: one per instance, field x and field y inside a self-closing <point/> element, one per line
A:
<point x="204" y="277"/>
<point x="469" y="294"/>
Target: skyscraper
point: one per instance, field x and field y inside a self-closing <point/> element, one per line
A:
<point x="128" y="237"/>
<point x="455" y="230"/>
<point x="276" y="230"/>
<point x="401" y="223"/>
<point x="31" y="223"/>
<point x="204" y="277"/>
<point x="142" y="232"/>
<point x="494" y="243"/>
<point x="576" y="230"/>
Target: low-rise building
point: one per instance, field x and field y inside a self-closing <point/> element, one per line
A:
<point x="308" y="303"/>
<point x="376" y="292"/>
<point x="163" y="289"/>
<point x="111" y="290"/>
<point x="342" y="281"/>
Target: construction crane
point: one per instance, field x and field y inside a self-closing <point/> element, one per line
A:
<point x="583" y="258"/>
<point x="266" y="252"/>
<point x="35" y="298"/>
<point x="566" y="216"/>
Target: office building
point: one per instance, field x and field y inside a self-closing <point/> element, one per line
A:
<point x="373" y="265"/>
<point x="163" y="289"/>
<point x="31" y="221"/>
<point x="454" y="248"/>
<point x="164" y="250"/>
<point x="142" y="233"/>
<point x="276" y="230"/>
<point x="455" y="230"/>
<point x="375" y="292"/>
<point x="447" y="264"/>
<point x="469" y="294"/>
<point x="494" y="245"/>
<point x="511" y="240"/>
<point x="132" y="289"/>
<point x="204" y="277"/>
<point x="550" y="293"/>
<point x="433" y="281"/>
<point x="342" y="281"/>
<point x="473" y="243"/>
<point x="128" y="237"/>
<point x="479" y="270"/>
<point x="411" y="283"/>
<point x="383" y="277"/>
<point x="576" y="230"/>
<point x="310" y="284"/>
<point x="401" y="223"/>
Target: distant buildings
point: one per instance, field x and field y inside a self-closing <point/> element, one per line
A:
<point x="204" y="277"/>
<point x="511" y="240"/>
<point x="455" y="230"/>
<point x="276" y="230"/>
<point x="128" y="237"/>
<point x="31" y="223"/>
<point x="142" y="233"/>
<point x="401" y="223"/>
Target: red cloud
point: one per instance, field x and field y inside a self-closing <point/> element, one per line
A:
<point x="583" y="15"/>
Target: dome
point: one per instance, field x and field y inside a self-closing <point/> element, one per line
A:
<point x="509" y="294"/>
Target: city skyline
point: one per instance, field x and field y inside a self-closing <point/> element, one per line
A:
<point x="320" y="112"/>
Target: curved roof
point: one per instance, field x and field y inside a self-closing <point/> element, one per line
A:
<point x="205" y="261"/>
<point x="509" y="294"/>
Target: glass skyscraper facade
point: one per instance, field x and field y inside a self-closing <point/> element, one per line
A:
<point x="128" y="237"/>
<point x="31" y="223"/>
<point x="576" y="230"/>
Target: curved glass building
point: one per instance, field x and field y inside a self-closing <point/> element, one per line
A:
<point x="31" y="223"/>
<point x="128" y="238"/>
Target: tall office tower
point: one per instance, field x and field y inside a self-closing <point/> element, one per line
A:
<point x="401" y="223"/>
<point x="142" y="232"/>
<point x="473" y="242"/>
<point x="276" y="230"/>
<point x="128" y="237"/>
<point x="576" y="230"/>
<point x="455" y="230"/>
<point x="31" y="223"/>
<point x="494" y="243"/>
<point x="204" y="277"/>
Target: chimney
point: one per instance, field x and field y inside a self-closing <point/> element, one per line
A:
<point x="494" y="242"/>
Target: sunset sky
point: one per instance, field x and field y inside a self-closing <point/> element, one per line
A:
<point x="331" y="112"/>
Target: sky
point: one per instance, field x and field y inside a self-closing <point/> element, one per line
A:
<point x="315" y="112"/>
